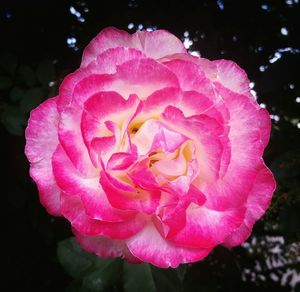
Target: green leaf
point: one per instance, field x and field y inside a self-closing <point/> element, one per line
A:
<point x="181" y="272"/>
<point x="17" y="93"/>
<point x="166" y="280"/>
<point x="5" y="82"/>
<point x="45" y="72"/>
<point x="90" y="272"/>
<point x="287" y="165"/>
<point x="8" y="63"/>
<point x="74" y="260"/>
<point x="33" y="97"/>
<point x="105" y="274"/>
<point x="138" y="278"/>
<point x="26" y="75"/>
<point x="13" y="120"/>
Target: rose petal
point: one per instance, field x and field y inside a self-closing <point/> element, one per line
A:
<point x="191" y="77"/>
<point x="154" y="135"/>
<point x="107" y="106"/>
<point x="73" y="209"/>
<point x="129" y="198"/>
<point x="41" y="142"/>
<point x="206" y="228"/>
<point x="205" y="136"/>
<point x="149" y="246"/>
<point x="105" y="63"/>
<point x="247" y="145"/>
<point x="230" y="75"/>
<point x="93" y="197"/>
<point x="105" y="247"/>
<point x="156" y="44"/>
<point x="258" y="201"/>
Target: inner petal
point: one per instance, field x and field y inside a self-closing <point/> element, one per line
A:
<point x="171" y="167"/>
<point x="153" y="135"/>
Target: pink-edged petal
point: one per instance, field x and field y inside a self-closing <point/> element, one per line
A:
<point x="41" y="132"/>
<point x="155" y="103"/>
<point x="190" y="102"/>
<point x="207" y="66"/>
<point x="181" y="187"/>
<point x="177" y="208"/>
<point x="41" y="142"/>
<point x="246" y="146"/>
<point x="142" y="176"/>
<point x="78" y="126"/>
<point x="207" y="228"/>
<point x="265" y="126"/>
<point x="205" y="132"/>
<point x="102" y="147"/>
<point x="149" y="246"/>
<point x="174" y="167"/>
<point x="121" y="161"/>
<point x="95" y="202"/>
<point x="128" y="198"/>
<point x="73" y="209"/>
<point x="70" y="138"/>
<point x="258" y="201"/>
<point x="105" y="63"/>
<point x="105" y="247"/>
<point x="143" y="77"/>
<point x="230" y="75"/>
<point x="191" y="77"/>
<point x="156" y="44"/>
<point x="104" y="109"/>
<point x="66" y="88"/>
<point x="153" y="135"/>
<point x="107" y="38"/>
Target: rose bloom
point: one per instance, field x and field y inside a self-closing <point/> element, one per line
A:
<point x="151" y="153"/>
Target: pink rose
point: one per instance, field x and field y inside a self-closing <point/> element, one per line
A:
<point x="152" y="154"/>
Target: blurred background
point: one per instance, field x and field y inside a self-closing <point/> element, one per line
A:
<point x="42" y="41"/>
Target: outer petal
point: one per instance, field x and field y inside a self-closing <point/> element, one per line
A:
<point x="265" y="126"/>
<point x="149" y="246"/>
<point x="143" y="78"/>
<point x="206" y="228"/>
<point x="247" y="147"/>
<point x="105" y="63"/>
<point x="190" y="102"/>
<point x="191" y="76"/>
<point x="71" y="139"/>
<point x="107" y="38"/>
<point x="73" y="209"/>
<point x="105" y="247"/>
<point x="156" y="44"/>
<point x="258" y="201"/>
<point x="41" y="142"/>
<point x="140" y="77"/>
<point x="225" y="72"/>
<point x="230" y="75"/>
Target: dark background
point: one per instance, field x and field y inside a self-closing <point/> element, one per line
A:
<point x="42" y="41"/>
